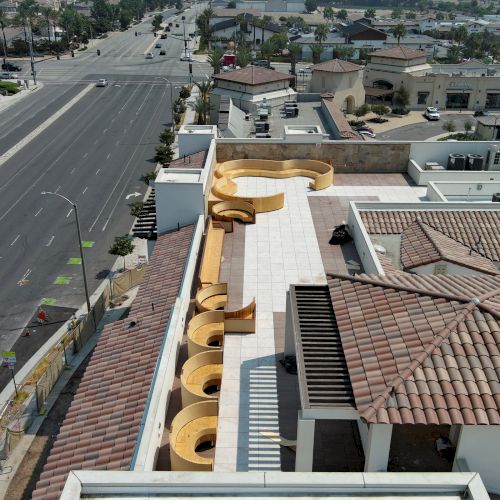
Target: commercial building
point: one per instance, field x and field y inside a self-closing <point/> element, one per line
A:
<point x="471" y="85"/>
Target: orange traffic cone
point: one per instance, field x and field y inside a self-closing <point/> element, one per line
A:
<point x="27" y="332"/>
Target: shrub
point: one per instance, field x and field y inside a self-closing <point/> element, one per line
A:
<point x="357" y="123"/>
<point x="185" y="93"/>
<point x="136" y="208"/>
<point x="400" y="111"/>
<point x="9" y="88"/>
<point x="164" y="154"/>
<point x="449" y="126"/>
<point x="362" y="110"/>
<point x="177" y="118"/>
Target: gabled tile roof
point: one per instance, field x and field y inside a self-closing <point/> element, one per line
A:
<point x="101" y="427"/>
<point x="421" y="245"/>
<point x="478" y="230"/>
<point x="253" y="75"/>
<point x="418" y="356"/>
<point x="336" y="66"/>
<point x="400" y="52"/>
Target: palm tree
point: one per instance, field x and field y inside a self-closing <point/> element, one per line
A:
<point x="321" y="33"/>
<point x="294" y="51"/>
<point x="316" y="50"/>
<point x="341" y="15"/>
<point x="460" y="34"/>
<point x="243" y="56"/>
<point x="263" y="22"/>
<point x="215" y="58"/>
<point x="328" y="13"/>
<point x="3" y="25"/>
<point x="48" y="15"/>
<point x="205" y="87"/>
<point x="399" y="31"/>
<point x="202" y="108"/>
<point x="266" y="51"/>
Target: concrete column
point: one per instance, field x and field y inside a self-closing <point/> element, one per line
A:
<point x="379" y="445"/>
<point x="305" y="444"/>
<point x="289" y="333"/>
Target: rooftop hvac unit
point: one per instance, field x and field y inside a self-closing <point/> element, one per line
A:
<point x="456" y="161"/>
<point x="493" y="158"/>
<point x="474" y="162"/>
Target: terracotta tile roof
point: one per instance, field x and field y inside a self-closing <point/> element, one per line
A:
<point x="101" y="427"/>
<point x="417" y="356"/>
<point x="344" y="129"/>
<point x="196" y="160"/>
<point x="253" y="75"/>
<point x="421" y="245"/>
<point x="336" y="66"/>
<point x="400" y="52"/>
<point x="476" y="229"/>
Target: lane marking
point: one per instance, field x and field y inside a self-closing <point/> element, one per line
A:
<point x="116" y="143"/>
<point x="88" y="244"/>
<point x="96" y="141"/>
<point x="58" y="187"/>
<point x="72" y="170"/>
<point x="85" y="155"/>
<point x="47" y="123"/>
<point x="50" y="241"/>
<point x="62" y="280"/>
<point x="69" y="213"/>
<point x="85" y="189"/>
<point x="109" y="156"/>
<point x="74" y="261"/>
<point x="17" y="237"/>
<point x="38" y="213"/>
<point x="24" y="280"/>
<point x="105" y="130"/>
<point x="98" y="170"/>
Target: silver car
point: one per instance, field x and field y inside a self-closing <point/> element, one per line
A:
<point x="7" y="75"/>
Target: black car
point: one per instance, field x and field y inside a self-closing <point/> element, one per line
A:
<point x="11" y="67"/>
<point x="481" y="113"/>
<point x="163" y="52"/>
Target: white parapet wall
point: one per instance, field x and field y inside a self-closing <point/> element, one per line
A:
<point x="152" y="425"/>
<point x="474" y="191"/>
<point x="195" y="138"/>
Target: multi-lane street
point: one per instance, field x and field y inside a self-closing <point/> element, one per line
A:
<point x="89" y="144"/>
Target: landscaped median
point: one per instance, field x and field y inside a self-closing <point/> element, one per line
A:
<point x="9" y="88"/>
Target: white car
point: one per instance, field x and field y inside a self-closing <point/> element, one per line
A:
<point x="305" y="71"/>
<point x="102" y="82"/>
<point x="372" y="135"/>
<point x="186" y="58"/>
<point x="431" y="113"/>
<point x="149" y="55"/>
<point x="6" y="75"/>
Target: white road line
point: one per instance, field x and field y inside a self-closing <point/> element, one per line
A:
<point x="38" y="213"/>
<point x="58" y="187"/>
<point x="85" y="155"/>
<point x="47" y="123"/>
<point x="69" y="213"/>
<point x="105" y="130"/>
<point x="72" y="170"/>
<point x="116" y="143"/>
<point x="113" y="120"/>
<point x="98" y="170"/>
<point x="17" y="237"/>
<point x="96" y="141"/>
<point x="50" y="241"/>
<point x="85" y="189"/>
<point x="109" y="156"/>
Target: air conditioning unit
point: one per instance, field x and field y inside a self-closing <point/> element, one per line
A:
<point x="493" y="158"/>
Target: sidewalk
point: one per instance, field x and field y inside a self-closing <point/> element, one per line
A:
<point x="7" y="101"/>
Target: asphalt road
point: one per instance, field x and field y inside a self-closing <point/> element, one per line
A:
<point x="95" y="154"/>
<point x="425" y="130"/>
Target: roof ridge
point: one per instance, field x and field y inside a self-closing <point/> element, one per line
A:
<point x="397" y="286"/>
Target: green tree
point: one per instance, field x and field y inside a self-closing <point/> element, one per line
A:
<point x="267" y="50"/>
<point x="398" y="31"/>
<point x="370" y="13"/>
<point x="178" y="5"/>
<point x="3" y="25"/>
<point x="311" y="5"/>
<point x="402" y="97"/>
<point x="215" y="58"/>
<point x="102" y="15"/>
<point x="321" y="33"/>
<point x="167" y="136"/>
<point x="157" y="20"/>
<point x="203" y="25"/>
<point x="341" y="15"/>
<point x="460" y="34"/>
<point x="279" y="41"/>
<point x="316" y="50"/>
<point x="47" y="14"/>
<point x="468" y="126"/>
<point x="243" y="56"/>
<point x="185" y="92"/>
<point x="205" y="87"/>
<point x="453" y="55"/>
<point x="126" y="18"/>
<point x="439" y="16"/>
<point x="397" y="13"/>
<point x="380" y="110"/>
<point x="328" y="13"/>
<point x="164" y="154"/>
<point x="411" y="14"/>
<point x="362" y="110"/>
<point x="262" y="23"/>
<point x="449" y="126"/>
<point x="294" y="52"/>
<point x="122" y="247"/>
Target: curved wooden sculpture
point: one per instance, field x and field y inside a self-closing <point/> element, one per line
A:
<point x="212" y="297"/>
<point x="224" y="188"/>
<point x="227" y="211"/>
<point x="201" y="377"/>
<point x="205" y="332"/>
<point x="192" y="426"/>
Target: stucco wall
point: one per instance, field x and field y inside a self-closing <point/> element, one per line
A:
<point x="346" y="156"/>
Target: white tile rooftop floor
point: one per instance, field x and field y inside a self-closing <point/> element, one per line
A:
<point x="280" y="249"/>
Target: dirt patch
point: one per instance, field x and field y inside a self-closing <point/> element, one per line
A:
<point x="28" y="473"/>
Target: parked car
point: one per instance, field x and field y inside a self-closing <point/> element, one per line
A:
<point x="102" y="82"/>
<point x="186" y="58"/>
<point x="365" y="129"/>
<point x="163" y="36"/>
<point x="481" y="113"/>
<point x="163" y="52"/>
<point x="11" y="67"/>
<point x="305" y="71"/>
<point x="367" y="133"/>
<point x="158" y="46"/>
<point x="149" y="55"/>
<point x="432" y="113"/>
<point x="5" y="75"/>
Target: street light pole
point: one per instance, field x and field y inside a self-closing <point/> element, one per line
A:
<point x="79" y="243"/>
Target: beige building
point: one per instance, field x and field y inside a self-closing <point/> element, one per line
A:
<point x="471" y="85"/>
<point x="342" y="78"/>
